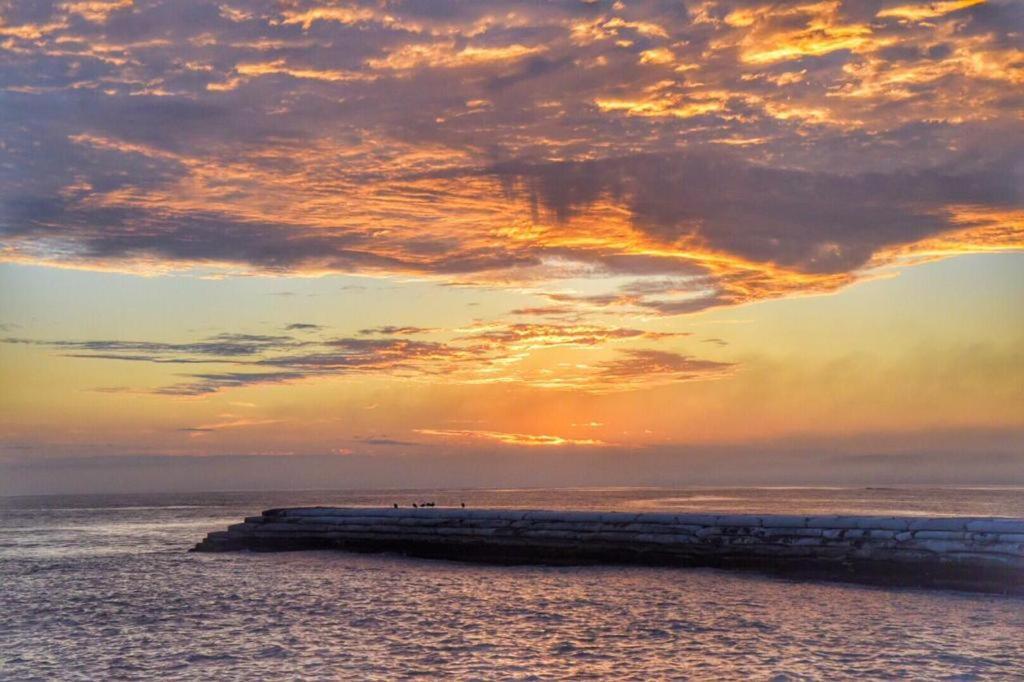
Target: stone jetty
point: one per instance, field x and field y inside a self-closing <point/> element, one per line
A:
<point x="984" y="554"/>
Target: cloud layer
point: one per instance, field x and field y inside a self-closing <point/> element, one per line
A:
<point x="717" y="152"/>
<point x="484" y="353"/>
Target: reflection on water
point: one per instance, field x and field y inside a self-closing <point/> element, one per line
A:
<point x="100" y="587"/>
<point x="910" y="501"/>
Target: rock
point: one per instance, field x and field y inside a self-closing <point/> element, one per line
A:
<point x="969" y="553"/>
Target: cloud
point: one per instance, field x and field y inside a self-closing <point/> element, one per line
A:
<point x="393" y="330"/>
<point x="229" y="422"/>
<point x="486" y="352"/>
<point x="731" y="231"/>
<point x="204" y="384"/>
<point x="810" y="222"/>
<point x="926" y="11"/>
<point x="221" y="347"/>
<point x="522" y="335"/>
<point x="387" y="442"/>
<point x="280" y="359"/>
<point x="760" y="150"/>
<point x="541" y="311"/>
<point x="448" y="55"/>
<point x="642" y="364"/>
<point x="520" y="439"/>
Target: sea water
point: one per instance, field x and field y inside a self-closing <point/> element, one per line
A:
<point x="102" y="587"/>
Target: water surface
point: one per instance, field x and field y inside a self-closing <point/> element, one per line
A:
<point x="100" y="587"/>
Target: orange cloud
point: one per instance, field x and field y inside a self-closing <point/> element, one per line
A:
<point x="96" y="11"/>
<point x="341" y="15"/>
<point x="491" y="150"/>
<point x="767" y="33"/>
<point x="280" y="67"/>
<point x="448" y="56"/>
<point x="522" y="439"/>
<point x="927" y="10"/>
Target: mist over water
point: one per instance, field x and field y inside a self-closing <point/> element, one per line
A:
<point x="101" y="587"/>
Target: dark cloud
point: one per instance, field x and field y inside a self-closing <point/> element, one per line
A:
<point x="203" y="384"/>
<point x="219" y="346"/>
<point x="809" y="221"/>
<point x="276" y="354"/>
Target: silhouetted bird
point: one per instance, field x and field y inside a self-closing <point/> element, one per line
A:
<point x="395" y="505"/>
<point x="414" y="506"/>
<point x="463" y="504"/>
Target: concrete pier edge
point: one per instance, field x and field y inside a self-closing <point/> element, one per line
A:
<point x="970" y="553"/>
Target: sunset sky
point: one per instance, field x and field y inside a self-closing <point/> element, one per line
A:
<point x="429" y="242"/>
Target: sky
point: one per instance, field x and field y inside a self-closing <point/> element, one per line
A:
<point x="433" y="243"/>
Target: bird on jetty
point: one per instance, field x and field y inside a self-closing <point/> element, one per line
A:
<point x="395" y="505"/>
<point x="415" y="506"/>
<point x="462" y="504"/>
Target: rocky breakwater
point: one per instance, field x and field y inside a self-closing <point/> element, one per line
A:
<point x="963" y="553"/>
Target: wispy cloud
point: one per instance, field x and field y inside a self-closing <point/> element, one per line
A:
<point x="204" y="384"/>
<point x="393" y="330"/>
<point x="227" y="422"/>
<point x="521" y="335"/>
<point x="522" y="439"/>
<point x="492" y="352"/>
<point x="383" y="441"/>
<point x="546" y="311"/>
<point x="642" y="364"/>
<point x="223" y="347"/>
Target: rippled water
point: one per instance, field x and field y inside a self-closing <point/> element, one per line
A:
<point x="101" y="588"/>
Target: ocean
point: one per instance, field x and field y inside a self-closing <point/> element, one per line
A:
<point x="102" y="587"/>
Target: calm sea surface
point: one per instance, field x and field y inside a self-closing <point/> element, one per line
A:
<point x="101" y="587"/>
